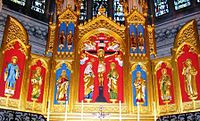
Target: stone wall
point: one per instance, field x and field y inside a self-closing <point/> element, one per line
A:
<point x="36" y="29"/>
<point x="11" y="115"/>
<point x="166" y="32"/>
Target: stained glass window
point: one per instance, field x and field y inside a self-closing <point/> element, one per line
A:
<point x="83" y="11"/>
<point x="20" y="2"/>
<point x="118" y="11"/>
<point x="38" y="6"/>
<point x="181" y="4"/>
<point x="161" y="7"/>
<point x="97" y="4"/>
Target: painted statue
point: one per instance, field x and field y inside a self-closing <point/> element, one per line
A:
<point x="70" y="40"/>
<point x="12" y="73"/>
<point x="189" y="73"/>
<point x="112" y="81"/>
<point x="113" y="46"/>
<point x="101" y="66"/>
<point x="83" y="59"/>
<point x="62" y="40"/>
<point x="133" y="41"/>
<point x="89" y="46"/>
<point x="141" y="41"/>
<point x="165" y="86"/>
<point x="62" y="86"/>
<point x="36" y="82"/>
<point x="140" y="86"/>
<point x="88" y="81"/>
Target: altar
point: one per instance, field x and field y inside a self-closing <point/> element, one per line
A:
<point x="100" y="70"/>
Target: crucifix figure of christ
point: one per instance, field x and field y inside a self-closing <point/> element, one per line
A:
<point x="101" y="55"/>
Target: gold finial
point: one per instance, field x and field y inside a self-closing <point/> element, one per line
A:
<point x="102" y="10"/>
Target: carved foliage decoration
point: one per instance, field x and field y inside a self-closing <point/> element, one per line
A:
<point x="188" y="33"/>
<point x="136" y="18"/>
<point x="15" y="30"/>
<point x="152" y="41"/>
<point x="51" y="38"/>
<point x="102" y="22"/>
<point x="68" y="16"/>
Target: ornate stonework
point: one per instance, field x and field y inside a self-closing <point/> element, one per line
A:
<point x="37" y="30"/>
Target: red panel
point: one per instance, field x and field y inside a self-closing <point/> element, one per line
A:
<point x="96" y="83"/>
<point x="101" y="38"/>
<point x="180" y="62"/>
<point x="21" y="63"/>
<point x="158" y="75"/>
<point x="30" y="87"/>
<point x="120" y="79"/>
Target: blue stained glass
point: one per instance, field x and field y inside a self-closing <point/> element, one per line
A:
<point x="83" y="11"/>
<point x="20" y="2"/>
<point x="38" y="6"/>
<point x="118" y="11"/>
<point x="178" y="4"/>
<point x="97" y="4"/>
<point x="161" y="7"/>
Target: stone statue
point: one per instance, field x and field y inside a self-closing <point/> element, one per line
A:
<point x="88" y="81"/>
<point x="189" y="73"/>
<point x="62" y="86"/>
<point x="11" y="75"/>
<point x="36" y="82"/>
<point x="165" y="86"/>
<point x="113" y="81"/>
<point x="140" y="86"/>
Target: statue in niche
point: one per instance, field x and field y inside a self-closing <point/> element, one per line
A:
<point x="165" y="86"/>
<point x="189" y="73"/>
<point x="88" y="81"/>
<point x="11" y="74"/>
<point x="62" y="40"/>
<point x="36" y="82"/>
<point x="133" y="41"/>
<point x="141" y="41"/>
<point x="70" y="40"/>
<point x="112" y="81"/>
<point x="139" y="84"/>
<point x="62" y="86"/>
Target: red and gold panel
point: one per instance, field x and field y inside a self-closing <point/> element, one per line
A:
<point x="38" y="73"/>
<point x="189" y="73"/>
<point x="36" y="81"/>
<point x="165" y="83"/>
<point x="101" y="70"/>
<point x="14" y="60"/>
